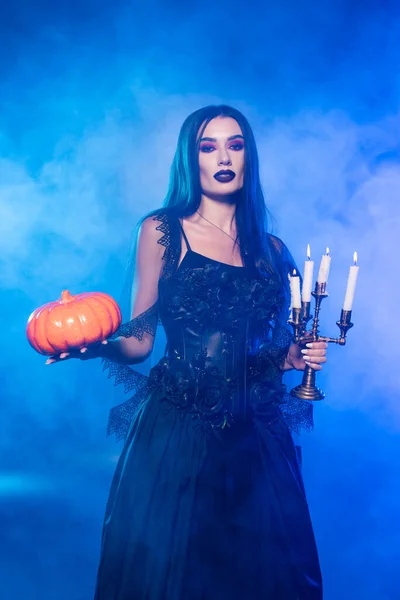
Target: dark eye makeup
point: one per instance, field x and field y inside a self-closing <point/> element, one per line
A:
<point x="207" y="147"/>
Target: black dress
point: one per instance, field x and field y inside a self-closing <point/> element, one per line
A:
<point x="207" y="501"/>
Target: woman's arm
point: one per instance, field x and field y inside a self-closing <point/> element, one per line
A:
<point x="312" y="353"/>
<point x="136" y="338"/>
<point x="128" y="350"/>
<point x="148" y="266"/>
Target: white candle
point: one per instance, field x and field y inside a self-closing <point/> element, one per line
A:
<point x="351" y="285"/>
<point x="295" y="290"/>
<point x="308" y="277"/>
<point x="325" y="265"/>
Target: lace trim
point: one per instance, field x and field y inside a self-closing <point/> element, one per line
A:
<point x="170" y="256"/>
<point x="121" y="416"/>
<point x="124" y="375"/>
<point x="282" y="338"/>
<point x="164" y="227"/>
<point x="298" y="414"/>
<point x="146" y="322"/>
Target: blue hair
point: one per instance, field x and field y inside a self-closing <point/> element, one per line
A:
<point x="257" y="245"/>
<point x="184" y="192"/>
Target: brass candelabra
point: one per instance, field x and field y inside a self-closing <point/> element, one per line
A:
<point x="307" y="390"/>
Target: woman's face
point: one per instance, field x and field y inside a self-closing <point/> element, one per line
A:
<point x="221" y="158"/>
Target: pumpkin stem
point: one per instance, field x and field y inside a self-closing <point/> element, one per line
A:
<point x="66" y="297"/>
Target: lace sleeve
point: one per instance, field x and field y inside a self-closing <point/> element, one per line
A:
<point x="121" y="416"/>
<point x="145" y="323"/>
<point x="298" y="413"/>
<point x="282" y="335"/>
<point x="136" y="337"/>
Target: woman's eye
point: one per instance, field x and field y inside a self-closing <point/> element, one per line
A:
<point x="207" y="148"/>
<point x="235" y="147"/>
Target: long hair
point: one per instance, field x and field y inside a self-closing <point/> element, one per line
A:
<point x="184" y="192"/>
<point x="252" y="216"/>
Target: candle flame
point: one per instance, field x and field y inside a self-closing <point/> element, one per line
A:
<point x="294" y="273"/>
<point x="327" y="252"/>
<point x="308" y="252"/>
<point x="355" y="258"/>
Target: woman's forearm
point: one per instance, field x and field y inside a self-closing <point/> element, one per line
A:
<point x="294" y="359"/>
<point x="288" y="365"/>
<point x="128" y="351"/>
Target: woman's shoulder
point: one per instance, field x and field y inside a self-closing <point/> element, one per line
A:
<point x="161" y="227"/>
<point x="277" y="244"/>
<point x="281" y="251"/>
<point x="155" y="222"/>
<point x="161" y="215"/>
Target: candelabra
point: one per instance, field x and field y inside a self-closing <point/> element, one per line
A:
<point x="307" y="390"/>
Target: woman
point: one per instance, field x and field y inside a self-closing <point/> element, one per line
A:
<point x="207" y="501"/>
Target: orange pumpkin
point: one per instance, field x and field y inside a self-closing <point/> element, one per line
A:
<point x="73" y="322"/>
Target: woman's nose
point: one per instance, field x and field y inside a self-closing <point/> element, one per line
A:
<point x="224" y="160"/>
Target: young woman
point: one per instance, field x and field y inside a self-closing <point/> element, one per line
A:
<point x="207" y="501"/>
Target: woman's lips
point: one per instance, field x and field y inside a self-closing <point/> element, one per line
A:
<point x="224" y="176"/>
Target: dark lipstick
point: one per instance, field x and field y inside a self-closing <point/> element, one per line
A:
<point x="225" y="176"/>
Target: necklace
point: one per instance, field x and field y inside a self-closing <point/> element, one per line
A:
<point x="213" y="224"/>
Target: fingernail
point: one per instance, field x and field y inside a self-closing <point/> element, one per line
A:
<point x="309" y="345"/>
<point x="306" y="357"/>
<point x="304" y="351"/>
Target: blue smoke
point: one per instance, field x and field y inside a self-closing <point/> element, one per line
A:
<point x="91" y="100"/>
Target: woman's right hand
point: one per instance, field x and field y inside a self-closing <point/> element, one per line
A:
<point x="91" y="351"/>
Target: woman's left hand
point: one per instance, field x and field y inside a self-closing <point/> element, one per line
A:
<point x="313" y="354"/>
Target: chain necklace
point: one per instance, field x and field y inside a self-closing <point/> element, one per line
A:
<point x="213" y="224"/>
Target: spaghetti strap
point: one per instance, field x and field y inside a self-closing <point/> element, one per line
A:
<point x="184" y="236"/>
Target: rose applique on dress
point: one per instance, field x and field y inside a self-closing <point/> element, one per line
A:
<point x="223" y="298"/>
